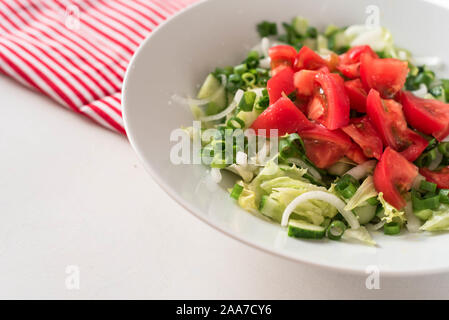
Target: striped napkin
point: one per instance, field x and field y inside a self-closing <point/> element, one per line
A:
<point x="76" y="51"/>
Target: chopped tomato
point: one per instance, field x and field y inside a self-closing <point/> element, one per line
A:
<point x="278" y="66"/>
<point x="440" y="177"/>
<point x="332" y="61"/>
<point x="389" y="121"/>
<point x="394" y="176"/>
<point x="283" y="116"/>
<point x="355" y="153"/>
<point x="349" y="64"/>
<point x="282" y="54"/>
<point x="429" y="116"/>
<point x="304" y="82"/>
<point x="309" y="59"/>
<point x="334" y="100"/>
<point x="387" y="76"/>
<point x="357" y="95"/>
<point x="325" y="147"/>
<point x="363" y="133"/>
<point x="280" y="83"/>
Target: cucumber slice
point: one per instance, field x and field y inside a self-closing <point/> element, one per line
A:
<point x="212" y="89"/>
<point x="301" y="229"/>
<point x="365" y="213"/>
<point x="300" y="25"/>
<point x="248" y="117"/>
<point x="271" y="208"/>
<point x="321" y="42"/>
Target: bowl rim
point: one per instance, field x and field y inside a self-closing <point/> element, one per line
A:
<point x="184" y="204"/>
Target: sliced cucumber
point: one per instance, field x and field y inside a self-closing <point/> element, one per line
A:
<point x="322" y="42"/>
<point x="271" y="208"/>
<point x="248" y="117"/>
<point x="365" y="213"/>
<point x="212" y="89"/>
<point x="301" y="229"/>
<point x="300" y="25"/>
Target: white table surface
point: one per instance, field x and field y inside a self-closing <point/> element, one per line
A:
<point x="73" y="193"/>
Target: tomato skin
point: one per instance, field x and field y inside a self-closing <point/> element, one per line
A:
<point x="349" y="64"/>
<point x="365" y="135"/>
<point x="304" y="82"/>
<point x="282" y="54"/>
<point x="387" y="76"/>
<point x="357" y="95"/>
<point x="335" y="100"/>
<point x="440" y="177"/>
<point x="308" y="59"/>
<point x="355" y="153"/>
<point x="324" y="147"/>
<point x="281" y="82"/>
<point x="389" y="121"/>
<point x="393" y="176"/>
<point x="283" y="116"/>
<point x="426" y="115"/>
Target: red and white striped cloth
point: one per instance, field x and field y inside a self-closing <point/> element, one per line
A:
<point x="76" y="51"/>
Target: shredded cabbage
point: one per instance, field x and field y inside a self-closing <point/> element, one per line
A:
<point x="391" y="213"/>
<point x="363" y="193"/>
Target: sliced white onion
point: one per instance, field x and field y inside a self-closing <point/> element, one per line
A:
<point x="417" y="181"/>
<point x="238" y="96"/>
<point x="314" y="173"/>
<point x="377" y="226"/>
<point x="265" y="63"/>
<point x="362" y="170"/>
<point x="413" y="222"/>
<point x="264" y="46"/>
<point x="323" y="196"/>
<point x="436" y="162"/>
<point x="445" y="139"/>
<point x="421" y="92"/>
<point x="241" y="158"/>
<point x="189" y="101"/>
<point x="215" y="174"/>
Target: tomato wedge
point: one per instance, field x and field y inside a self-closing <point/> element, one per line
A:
<point x="282" y="54"/>
<point x="304" y="82"/>
<point x="280" y="83"/>
<point x="334" y="100"/>
<point x="426" y="115"/>
<point x="355" y="153"/>
<point x="387" y="76"/>
<point x="325" y="147"/>
<point x="349" y="64"/>
<point x="357" y="95"/>
<point x="389" y="121"/>
<point x="394" y="176"/>
<point x="283" y="116"/>
<point x="440" y="177"/>
<point x="365" y="135"/>
<point x="309" y="59"/>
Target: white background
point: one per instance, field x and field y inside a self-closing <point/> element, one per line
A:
<point x="73" y="193"/>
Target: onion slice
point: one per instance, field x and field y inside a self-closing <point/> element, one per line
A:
<point x="323" y="196"/>
<point x="362" y="170"/>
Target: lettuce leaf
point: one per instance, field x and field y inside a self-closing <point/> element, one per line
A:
<point x="439" y="220"/>
<point x="391" y="214"/>
<point x="360" y="235"/>
<point x="363" y="193"/>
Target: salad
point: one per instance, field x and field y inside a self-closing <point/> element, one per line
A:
<point x="361" y="132"/>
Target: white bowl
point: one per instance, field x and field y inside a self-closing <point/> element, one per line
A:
<point x="180" y="53"/>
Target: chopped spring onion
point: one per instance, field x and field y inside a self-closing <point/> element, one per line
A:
<point x="241" y="68"/>
<point x="265" y="63"/>
<point x="335" y="230"/>
<point x="417" y="182"/>
<point x="347" y="186"/>
<point x="249" y="79"/>
<point x="236" y="191"/>
<point x="427" y="158"/>
<point x="362" y="170"/>
<point x="392" y="228"/>
<point x="428" y="186"/>
<point x="431" y="202"/>
<point x="238" y="96"/>
<point x="436" y="162"/>
<point x="323" y="196"/>
<point x="235" y="123"/>
<point x="247" y="101"/>
<point x="444" y="196"/>
<point x="444" y="148"/>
